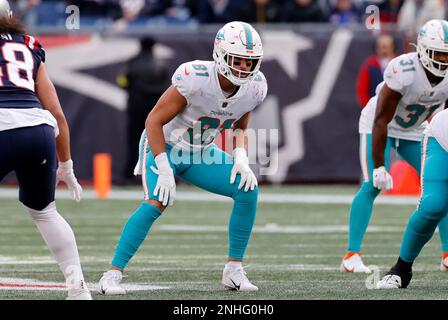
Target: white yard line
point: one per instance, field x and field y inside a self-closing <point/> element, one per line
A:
<point x="12" y="193"/>
<point x="218" y="267"/>
<point x="274" y="228"/>
<point x="39" y="285"/>
<point x="269" y="228"/>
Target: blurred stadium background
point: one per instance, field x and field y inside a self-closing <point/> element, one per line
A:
<point x="314" y="55"/>
<point x="321" y="63"/>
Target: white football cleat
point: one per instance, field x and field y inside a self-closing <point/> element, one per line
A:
<point x="352" y="263"/>
<point x="79" y="292"/>
<point x="395" y="279"/>
<point x="444" y="262"/>
<point x="236" y="279"/>
<point x="389" y="281"/>
<point x="110" y="283"/>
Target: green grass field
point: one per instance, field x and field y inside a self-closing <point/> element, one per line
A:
<point x="294" y="252"/>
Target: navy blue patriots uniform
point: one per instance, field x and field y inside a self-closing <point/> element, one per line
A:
<point x="27" y="139"/>
<point x="20" y="58"/>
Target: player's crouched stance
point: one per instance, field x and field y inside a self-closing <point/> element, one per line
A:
<point x="433" y="205"/>
<point x="214" y="95"/>
<point x="414" y="89"/>
<point x="30" y="116"/>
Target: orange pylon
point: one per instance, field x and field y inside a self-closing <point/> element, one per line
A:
<point x="406" y="179"/>
<point x="102" y="172"/>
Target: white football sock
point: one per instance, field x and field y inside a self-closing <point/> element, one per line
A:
<point x="59" y="237"/>
<point x="234" y="264"/>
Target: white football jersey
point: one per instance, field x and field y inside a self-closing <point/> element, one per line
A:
<point x="438" y="128"/>
<point x="406" y="75"/>
<point x="208" y="109"/>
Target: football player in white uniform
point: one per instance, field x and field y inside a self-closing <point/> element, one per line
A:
<point x="433" y="205"/>
<point x="412" y="91"/>
<point x="205" y="98"/>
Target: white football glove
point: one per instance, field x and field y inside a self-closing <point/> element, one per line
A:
<point x="382" y="179"/>
<point x="66" y="174"/>
<point x="166" y="185"/>
<point x="241" y="166"/>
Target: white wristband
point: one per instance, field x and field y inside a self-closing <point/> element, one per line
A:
<point x="162" y="161"/>
<point x="66" y="165"/>
<point x="240" y="155"/>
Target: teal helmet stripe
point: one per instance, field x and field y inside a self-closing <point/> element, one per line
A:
<point x="445" y="29"/>
<point x="250" y="42"/>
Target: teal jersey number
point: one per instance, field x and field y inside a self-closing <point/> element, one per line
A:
<point x="213" y="125"/>
<point x="415" y="112"/>
<point x="431" y="110"/>
<point x="201" y="67"/>
<point x="406" y="63"/>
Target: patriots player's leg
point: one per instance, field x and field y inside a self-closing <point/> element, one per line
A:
<point x="411" y="151"/>
<point x="215" y="178"/>
<point x="35" y="166"/>
<point x="362" y="206"/>
<point x="430" y="211"/>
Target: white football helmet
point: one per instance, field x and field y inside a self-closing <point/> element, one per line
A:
<point x="237" y="39"/>
<point x="432" y="38"/>
<point x="5" y="9"/>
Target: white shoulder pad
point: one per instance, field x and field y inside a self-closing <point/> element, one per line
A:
<point x="400" y="72"/>
<point x="260" y="87"/>
<point x="189" y="76"/>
